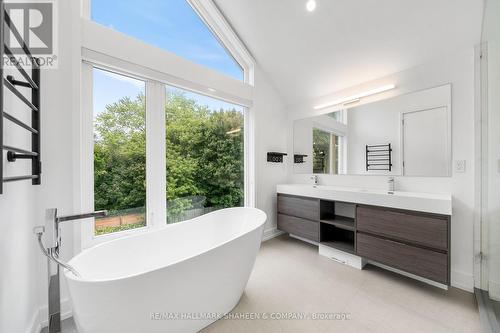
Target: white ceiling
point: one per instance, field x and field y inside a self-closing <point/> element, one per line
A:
<point x="347" y="42"/>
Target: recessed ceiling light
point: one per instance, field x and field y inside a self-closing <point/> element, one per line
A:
<point x="311" y="5"/>
<point x="212" y="89"/>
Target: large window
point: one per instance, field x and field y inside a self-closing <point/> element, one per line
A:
<point x="205" y="155"/>
<point x="119" y="151"/>
<point x="204" y="144"/>
<point x="168" y="24"/>
<point x="177" y="153"/>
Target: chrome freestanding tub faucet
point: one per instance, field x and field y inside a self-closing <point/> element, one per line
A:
<point x="50" y="246"/>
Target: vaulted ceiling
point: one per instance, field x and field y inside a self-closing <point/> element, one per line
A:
<point x="347" y="42"/>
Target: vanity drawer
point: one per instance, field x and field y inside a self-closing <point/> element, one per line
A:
<point x="422" y="262"/>
<point x="307" y="208"/>
<point x="299" y="227"/>
<point x="424" y="229"/>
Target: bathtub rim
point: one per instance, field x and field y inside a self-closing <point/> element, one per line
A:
<point x="70" y="276"/>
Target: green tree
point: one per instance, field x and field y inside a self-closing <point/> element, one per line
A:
<point x="321" y="151"/>
<point x="204" y="152"/>
<point x="120" y="155"/>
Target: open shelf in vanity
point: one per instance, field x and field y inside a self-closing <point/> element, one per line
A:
<point x="337" y="225"/>
<point x="337" y="238"/>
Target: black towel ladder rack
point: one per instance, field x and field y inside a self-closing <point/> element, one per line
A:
<point x="10" y="82"/>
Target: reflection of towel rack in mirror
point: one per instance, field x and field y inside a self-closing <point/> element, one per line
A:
<point x="379" y="157"/>
<point x="10" y="82"/>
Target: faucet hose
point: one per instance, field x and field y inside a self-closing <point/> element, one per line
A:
<point x="53" y="256"/>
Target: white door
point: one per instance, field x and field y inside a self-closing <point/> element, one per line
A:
<point x="426" y="147"/>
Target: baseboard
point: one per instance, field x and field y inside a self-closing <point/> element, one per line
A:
<point x="40" y="320"/>
<point x="271" y="233"/>
<point x="494" y="290"/>
<point x="462" y="281"/>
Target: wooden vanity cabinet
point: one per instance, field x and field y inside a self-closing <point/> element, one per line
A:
<point x="414" y="242"/>
<point x="299" y="216"/>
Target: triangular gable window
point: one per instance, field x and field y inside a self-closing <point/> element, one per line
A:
<point x="168" y="24"/>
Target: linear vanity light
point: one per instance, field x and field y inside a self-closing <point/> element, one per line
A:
<point x="357" y="97"/>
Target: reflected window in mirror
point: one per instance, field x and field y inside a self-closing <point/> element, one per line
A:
<point x="340" y="116"/>
<point x="327" y="158"/>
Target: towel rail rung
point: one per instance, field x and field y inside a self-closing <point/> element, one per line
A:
<point x="21" y="70"/>
<point x="19" y="95"/>
<point x="20" y="151"/>
<point x="18" y="37"/>
<point x="17" y="178"/>
<point x="19" y="122"/>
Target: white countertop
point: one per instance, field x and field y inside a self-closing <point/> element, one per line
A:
<point x="423" y="202"/>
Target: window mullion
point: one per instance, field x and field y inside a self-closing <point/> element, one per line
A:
<point x="86" y="155"/>
<point x="155" y="154"/>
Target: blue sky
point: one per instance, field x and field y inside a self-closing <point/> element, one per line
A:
<point x="109" y="88"/>
<point x="169" y="24"/>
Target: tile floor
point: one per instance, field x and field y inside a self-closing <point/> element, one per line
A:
<point x="290" y="277"/>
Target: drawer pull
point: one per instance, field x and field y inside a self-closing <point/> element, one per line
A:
<point x="395" y="242"/>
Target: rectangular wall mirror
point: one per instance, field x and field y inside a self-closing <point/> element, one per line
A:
<point x="407" y="135"/>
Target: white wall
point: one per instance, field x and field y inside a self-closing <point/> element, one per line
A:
<point x="459" y="71"/>
<point x="23" y="274"/>
<point x="20" y="262"/>
<point x="270" y="136"/>
<point x="303" y="144"/>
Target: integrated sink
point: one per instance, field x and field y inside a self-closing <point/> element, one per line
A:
<point x="422" y="202"/>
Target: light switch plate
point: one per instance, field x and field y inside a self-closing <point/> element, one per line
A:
<point x="460" y="166"/>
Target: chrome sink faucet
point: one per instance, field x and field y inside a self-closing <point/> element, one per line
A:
<point x="51" y="234"/>
<point x="391" y="185"/>
<point x="314" y="180"/>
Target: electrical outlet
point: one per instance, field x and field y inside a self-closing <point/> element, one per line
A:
<point x="460" y="166"/>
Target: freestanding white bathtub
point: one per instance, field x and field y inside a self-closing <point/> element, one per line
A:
<point x="177" y="279"/>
